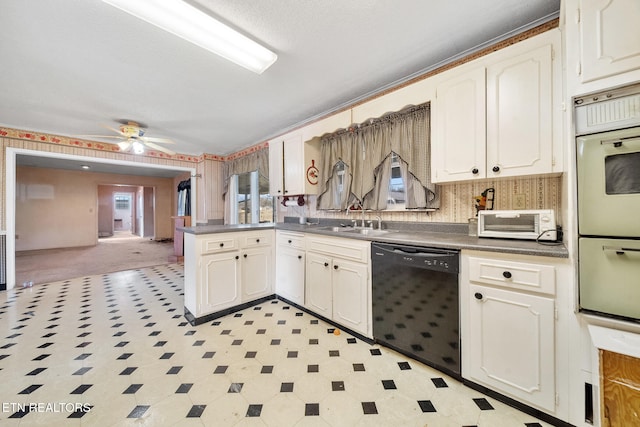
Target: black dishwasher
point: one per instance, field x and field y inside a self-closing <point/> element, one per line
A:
<point x="415" y="303"/>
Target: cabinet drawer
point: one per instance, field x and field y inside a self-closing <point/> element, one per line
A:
<point x="355" y="250"/>
<point x="290" y="240"/>
<point x="516" y="275"/>
<point x="220" y="243"/>
<point x="252" y="240"/>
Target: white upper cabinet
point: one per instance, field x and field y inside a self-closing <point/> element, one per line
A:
<point x="520" y="115"/>
<point x="459" y="152"/>
<point x="287" y="171"/>
<point x="500" y="115"/>
<point x="294" y="157"/>
<point x="609" y="36"/>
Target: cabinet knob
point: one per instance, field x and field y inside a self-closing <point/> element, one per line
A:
<point x="478" y="295"/>
<point x="475" y="171"/>
<point x="299" y="256"/>
<point x="326" y="264"/>
<point x="245" y="255"/>
<point x="335" y="267"/>
<point x="506" y="274"/>
<point x="257" y="240"/>
<point x="221" y="245"/>
<point x="286" y="191"/>
<point x="496" y="169"/>
<point x="279" y="191"/>
<point x="237" y="257"/>
<point x="289" y="241"/>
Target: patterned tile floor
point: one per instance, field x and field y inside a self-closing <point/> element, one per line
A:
<point x="114" y="349"/>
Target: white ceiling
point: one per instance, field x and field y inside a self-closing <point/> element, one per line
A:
<point x="71" y="66"/>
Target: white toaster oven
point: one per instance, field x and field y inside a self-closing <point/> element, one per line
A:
<point x="537" y="224"/>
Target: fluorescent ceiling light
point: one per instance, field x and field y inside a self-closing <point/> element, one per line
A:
<point x="193" y="25"/>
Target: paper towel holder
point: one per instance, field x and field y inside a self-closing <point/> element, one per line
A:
<point x="300" y="200"/>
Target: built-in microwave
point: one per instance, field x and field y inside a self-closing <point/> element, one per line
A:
<point x="537" y="224"/>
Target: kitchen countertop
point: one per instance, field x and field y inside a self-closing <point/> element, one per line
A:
<point x="423" y="234"/>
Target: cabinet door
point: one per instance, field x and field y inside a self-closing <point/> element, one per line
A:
<point x="520" y="115"/>
<point x="294" y="170"/>
<point x="220" y="282"/>
<point x="276" y="167"/>
<point x="511" y="337"/>
<point x="290" y="264"/>
<point x="458" y="149"/>
<point x="318" y="293"/>
<point x="609" y="35"/>
<point x="350" y="295"/>
<point x="256" y="273"/>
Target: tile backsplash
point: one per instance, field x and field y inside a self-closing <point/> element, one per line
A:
<point x="457" y="201"/>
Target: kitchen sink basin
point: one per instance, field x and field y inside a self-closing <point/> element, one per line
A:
<point x="351" y="230"/>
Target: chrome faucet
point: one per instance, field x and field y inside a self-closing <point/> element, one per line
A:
<point x="362" y="216"/>
<point x="379" y="222"/>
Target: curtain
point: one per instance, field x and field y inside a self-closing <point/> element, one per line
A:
<point x="337" y="152"/>
<point x="258" y="160"/>
<point x="184" y="198"/>
<point x="366" y="149"/>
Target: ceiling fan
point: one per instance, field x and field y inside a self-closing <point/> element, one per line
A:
<point x="132" y="138"/>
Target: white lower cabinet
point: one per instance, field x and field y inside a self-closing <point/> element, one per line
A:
<point x="219" y="275"/>
<point x="512" y="339"/>
<point x="226" y="269"/>
<point x="290" y="265"/>
<point x="350" y="292"/>
<point x="319" y="284"/>
<point x="338" y="281"/>
<point x="509" y="327"/>
<point x="256" y="272"/>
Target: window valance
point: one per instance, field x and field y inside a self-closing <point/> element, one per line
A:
<point x="365" y="150"/>
<point x="258" y="160"/>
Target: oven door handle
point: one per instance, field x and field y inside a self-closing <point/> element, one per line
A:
<point x="618" y="141"/>
<point x="619" y="250"/>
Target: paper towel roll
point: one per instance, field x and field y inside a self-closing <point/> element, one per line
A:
<point x="291" y="203"/>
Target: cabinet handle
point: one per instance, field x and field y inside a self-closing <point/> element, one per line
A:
<point x="299" y="256"/>
<point x="475" y="171"/>
<point x="496" y="169"/>
<point x="257" y="240"/>
<point x="335" y="267"/>
<point x="478" y="295"/>
<point x="222" y="245"/>
<point x="506" y="274"/>
<point x="245" y="255"/>
<point x="289" y="241"/>
<point x="237" y="257"/>
<point x="326" y="264"/>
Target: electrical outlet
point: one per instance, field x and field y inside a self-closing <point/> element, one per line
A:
<point x="519" y="201"/>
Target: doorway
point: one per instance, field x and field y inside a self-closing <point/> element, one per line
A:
<point x="123" y="213"/>
<point x="19" y="156"/>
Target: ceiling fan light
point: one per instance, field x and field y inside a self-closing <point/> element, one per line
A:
<point x="138" y="147"/>
<point x="124" y="145"/>
<point x="195" y="26"/>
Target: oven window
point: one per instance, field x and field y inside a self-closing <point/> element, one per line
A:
<point x="622" y="173"/>
<point x="521" y="223"/>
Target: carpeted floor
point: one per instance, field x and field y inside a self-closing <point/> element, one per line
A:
<point x="120" y="252"/>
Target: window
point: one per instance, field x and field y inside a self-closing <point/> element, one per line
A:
<point x="122" y="202"/>
<point x="396" y="200"/>
<point x="251" y="202"/>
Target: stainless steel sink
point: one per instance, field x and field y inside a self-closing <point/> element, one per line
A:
<point x="352" y="230"/>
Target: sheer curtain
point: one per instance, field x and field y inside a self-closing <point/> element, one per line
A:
<point x="366" y="149"/>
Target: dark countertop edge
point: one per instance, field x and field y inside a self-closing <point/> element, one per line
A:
<point x="407" y="237"/>
<point x="214" y="229"/>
